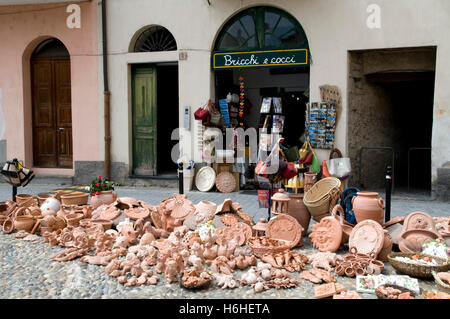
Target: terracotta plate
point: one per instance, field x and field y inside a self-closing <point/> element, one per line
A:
<point x="286" y="228"/>
<point x="156" y="219"/>
<point x="367" y="237"/>
<point x="229" y="219"/>
<point x="205" y="179"/>
<point x="327" y="234"/>
<point x="226" y="234"/>
<point x="246" y="229"/>
<point x="225" y="182"/>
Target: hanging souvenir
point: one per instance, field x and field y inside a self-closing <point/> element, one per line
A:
<point x="241" y="101"/>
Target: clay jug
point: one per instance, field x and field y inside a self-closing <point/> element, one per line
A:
<point x="367" y="205"/>
<point x="298" y="210"/>
<point x="105" y="197"/>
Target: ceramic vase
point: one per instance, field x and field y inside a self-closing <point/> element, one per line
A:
<point x="298" y="210"/>
<point x="25" y="223"/>
<point x="104" y="198"/>
<point x="367" y="205"/>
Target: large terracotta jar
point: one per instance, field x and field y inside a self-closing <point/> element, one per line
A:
<point x="298" y="210"/>
<point x="105" y="197"/>
<point x="367" y="205"/>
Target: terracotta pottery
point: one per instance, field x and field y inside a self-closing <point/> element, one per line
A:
<point x="110" y="212"/>
<point x="327" y="234"/>
<point x="205" y="205"/>
<point x="229" y="219"/>
<point x="179" y="206"/>
<point x="393" y="221"/>
<point x="285" y="227"/>
<point x="8" y="226"/>
<point x="260" y="227"/>
<point x="104" y="198"/>
<point x="2" y="219"/>
<point x="246" y="229"/>
<point x="48" y="212"/>
<point x="75" y="199"/>
<point x="73" y="219"/>
<point x="24" y="199"/>
<point x="280" y="203"/>
<point x="126" y="202"/>
<point x="136" y="213"/>
<point x="346" y="228"/>
<point x="318" y="218"/>
<point x="225" y="182"/>
<point x="310" y="180"/>
<point x="42" y="197"/>
<point x="418" y="227"/>
<point x="25" y="223"/>
<point x="226" y="206"/>
<point x="60" y="223"/>
<point x="367" y="205"/>
<point x="4" y="209"/>
<point x="298" y="210"/>
<point x="106" y="223"/>
<point x="367" y="238"/>
<point x="387" y="247"/>
<point x="35" y="212"/>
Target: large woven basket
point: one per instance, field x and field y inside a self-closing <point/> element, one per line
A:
<point x="317" y="199"/>
<point x="416" y="270"/>
<point x="441" y="285"/>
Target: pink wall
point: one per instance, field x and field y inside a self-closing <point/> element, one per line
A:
<point x="21" y="30"/>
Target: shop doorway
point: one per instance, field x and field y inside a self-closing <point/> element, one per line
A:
<point x="391" y="107"/>
<point x="51" y="105"/>
<point x="154" y="117"/>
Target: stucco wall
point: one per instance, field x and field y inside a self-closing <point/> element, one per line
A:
<point x="22" y="28"/>
<point x="332" y="27"/>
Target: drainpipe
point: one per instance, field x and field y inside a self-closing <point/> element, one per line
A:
<point x="106" y="98"/>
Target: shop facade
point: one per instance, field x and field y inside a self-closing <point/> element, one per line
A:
<point x="337" y="34"/>
<point x="49" y="90"/>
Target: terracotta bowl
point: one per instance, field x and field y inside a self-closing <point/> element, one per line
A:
<point x="8" y="226"/>
<point x="23" y="198"/>
<point x="42" y="197"/>
<point x="2" y="219"/>
<point x="107" y="224"/>
<point x="3" y="209"/>
<point x="75" y="199"/>
<point x="73" y="219"/>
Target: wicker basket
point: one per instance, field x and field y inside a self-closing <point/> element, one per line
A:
<point x="442" y="286"/>
<point x="317" y="199"/>
<point x="402" y="289"/>
<point x="416" y="270"/>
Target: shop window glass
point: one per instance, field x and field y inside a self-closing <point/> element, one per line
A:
<point x="261" y="28"/>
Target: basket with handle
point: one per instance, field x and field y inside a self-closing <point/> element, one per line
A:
<point x="318" y="198"/>
<point x="417" y="270"/>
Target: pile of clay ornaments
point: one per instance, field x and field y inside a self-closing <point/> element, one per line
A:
<point x="203" y="245"/>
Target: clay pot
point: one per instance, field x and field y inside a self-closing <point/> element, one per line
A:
<point x="48" y="212"/>
<point x="367" y="205"/>
<point x="8" y="226"/>
<point x="42" y="197"/>
<point x="104" y="198"/>
<point x="349" y="272"/>
<point x="106" y="223"/>
<point x="207" y="206"/>
<point x="73" y="219"/>
<point x="25" y="223"/>
<point x="4" y="209"/>
<point x="387" y="247"/>
<point x="45" y="229"/>
<point x="298" y="210"/>
<point x="24" y="199"/>
<point x="35" y="212"/>
<point x="377" y="266"/>
<point x="75" y="199"/>
<point x="2" y="219"/>
<point x="60" y="223"/>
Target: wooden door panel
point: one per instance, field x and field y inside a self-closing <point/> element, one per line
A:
<point x="144" y="121"/>
<point x="52" y="112"/>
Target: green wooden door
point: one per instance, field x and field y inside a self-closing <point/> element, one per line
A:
<point x="144" y="121"/>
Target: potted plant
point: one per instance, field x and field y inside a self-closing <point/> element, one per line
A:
<point x="102" y="192"/>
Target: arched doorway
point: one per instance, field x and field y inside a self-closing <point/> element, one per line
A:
<point x="264" y="52"/>
<point x="154" y="105"/>
<point x="51" y="105"/>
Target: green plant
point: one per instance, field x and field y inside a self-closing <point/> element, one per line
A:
<point x="100" y="184"/>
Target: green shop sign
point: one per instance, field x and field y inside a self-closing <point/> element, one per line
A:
<point x="257" y="59"/>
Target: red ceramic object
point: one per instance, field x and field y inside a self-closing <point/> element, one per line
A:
<point x="75" y="199"/>
<point x="8" y="226"/>
<point x="106" y="223"/>
<point x="367" y="205"/>
<point x="285" y="227"/>
<point x="25" y="223"/>
<point x="387" y="247"/>
<point x="346" y="228"/>
<point x="298" y="210"/>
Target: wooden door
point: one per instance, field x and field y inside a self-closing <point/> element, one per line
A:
<point x="52" y="112"/>
<point x="144" y="119"/>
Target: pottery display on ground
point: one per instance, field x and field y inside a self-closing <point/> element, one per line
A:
<point x="298" y="210"/>
<point x="367" y="205"/>
<point x="418" y="227"/>
<point x="75" y="199"/>
<point x="103" y="198"/>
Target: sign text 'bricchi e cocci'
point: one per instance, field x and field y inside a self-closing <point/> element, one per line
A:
<point x="275" y="58"/>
